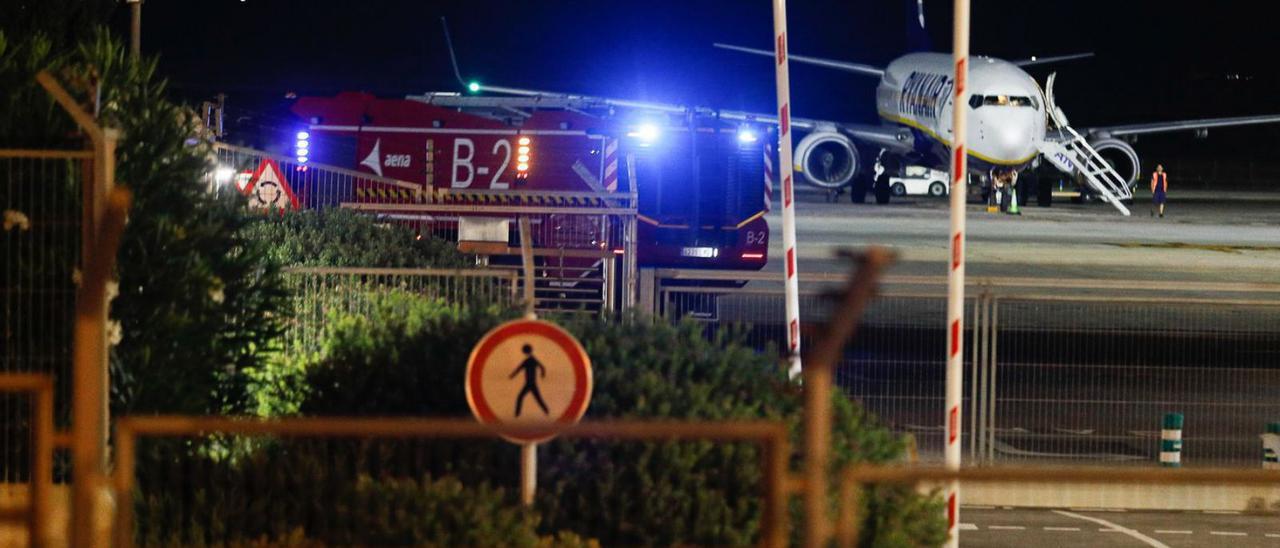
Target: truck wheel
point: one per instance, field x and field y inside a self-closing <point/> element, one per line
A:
<point x="899" y="189"/>
<point x="937" y="189"/>
<point x="882" y="190"/>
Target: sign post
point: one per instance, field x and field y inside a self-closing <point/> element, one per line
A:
<point x="530" y="373"/>
<point x="785" y="172"/>
<point x="955" y="274"/>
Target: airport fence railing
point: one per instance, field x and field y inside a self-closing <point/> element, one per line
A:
<point x="321" y="293"/>
<point x="1057" y="371"/>
<point x="583" y="243"/>
<point x="384" y="481"/>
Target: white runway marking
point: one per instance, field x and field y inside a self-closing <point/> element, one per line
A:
<point x="1173" y="532"/>
<point x="1223" y="512"/>
<point x="1144" y="538"/>
<point x="1273" y="535"/>
<point x="1229" y="533"/>
<point x="968" y="527"/>
<point x="1061" y="528"/>
<point x="1007" y="527"/>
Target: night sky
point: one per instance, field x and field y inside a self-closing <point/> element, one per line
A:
<point x="1155" y="61"/>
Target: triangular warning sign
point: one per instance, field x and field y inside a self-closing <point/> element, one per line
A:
<point x="269" y="190"/>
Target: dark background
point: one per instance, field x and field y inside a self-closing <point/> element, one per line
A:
<point x="1155" y="60"/>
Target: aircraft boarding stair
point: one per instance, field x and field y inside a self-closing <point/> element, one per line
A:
<point x="1071" y="153"/>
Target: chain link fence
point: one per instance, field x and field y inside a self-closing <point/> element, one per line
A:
<point x="1066" y="371"/>
<point x="40" y="251"/>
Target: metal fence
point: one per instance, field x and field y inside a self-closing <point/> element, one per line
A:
<point x="1067" y="371"/>
<point x="40" y="251"/>
<point x="583" y="242"/>
<point x="320" y="293"/>
<point x="360" y="481"/>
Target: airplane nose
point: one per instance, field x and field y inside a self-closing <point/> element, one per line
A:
<point x="1015" y="141"/>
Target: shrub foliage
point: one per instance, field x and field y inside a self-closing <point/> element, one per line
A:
<point x="413" y="363"/>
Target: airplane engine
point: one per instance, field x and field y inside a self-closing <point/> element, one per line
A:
<point x="827" y="159"/>
<point x="1122" y="158"/>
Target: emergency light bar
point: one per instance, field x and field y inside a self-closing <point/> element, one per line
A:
<point x="524" y="147"/>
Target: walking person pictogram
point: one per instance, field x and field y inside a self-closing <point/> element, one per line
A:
<point x="532" y="369"/>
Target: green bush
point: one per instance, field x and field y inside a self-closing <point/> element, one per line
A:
<point x="703" y="493"/>
<point x="413" y="363"/>
<point x="299" y="494"/>
<point x="199" y="303"/>
<point x="343" y="237"/>
<point x="404" y="355"/>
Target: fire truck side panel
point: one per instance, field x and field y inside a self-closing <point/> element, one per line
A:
<point x="700" y="192"/>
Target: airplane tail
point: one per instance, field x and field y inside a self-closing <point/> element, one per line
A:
<point x="917" y="34"/>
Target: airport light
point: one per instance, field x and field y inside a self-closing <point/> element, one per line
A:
<point x="474" y="87"/>
<point x="746" y="136"/>
<point x="302" y="135"/>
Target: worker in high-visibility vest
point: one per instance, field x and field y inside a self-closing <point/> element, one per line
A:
<point x="1159" y="189"/>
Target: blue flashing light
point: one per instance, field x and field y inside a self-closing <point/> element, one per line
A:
<point x="302" y="159"/>
<point x="474" y="87"/>
<point x="647" y="133"/>
<point x="304" y="144"/>
<point x="746" y="136"/>
<point x="302" y="152"/>
<point x="302" y="135"/>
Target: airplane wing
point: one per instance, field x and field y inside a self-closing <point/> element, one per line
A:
<point x="857" y="68"/>
<point x="1055" y="59"/>
<point x="1182" y="125"/>
<point x="869" y="134"/>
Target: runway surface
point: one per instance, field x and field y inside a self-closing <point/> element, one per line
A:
<point x="1067" y="528"/>
<point x="1211" y="236"/>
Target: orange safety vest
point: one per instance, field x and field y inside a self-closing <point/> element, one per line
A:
<point x="1161" y="179"/>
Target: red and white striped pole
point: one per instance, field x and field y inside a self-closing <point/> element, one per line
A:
<point x="768" y="176"/>
<point x="955" y="275"/>
<point x="792" y="287"/>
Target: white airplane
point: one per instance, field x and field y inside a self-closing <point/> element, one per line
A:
<point x="1013" y="124"/>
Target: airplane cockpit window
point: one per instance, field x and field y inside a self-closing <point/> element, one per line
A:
<point x="976" y="101"/>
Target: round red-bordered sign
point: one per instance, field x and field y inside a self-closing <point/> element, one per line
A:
<point x="528" y="373"/>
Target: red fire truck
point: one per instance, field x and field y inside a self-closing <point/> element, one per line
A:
<point x="699" y="181"/>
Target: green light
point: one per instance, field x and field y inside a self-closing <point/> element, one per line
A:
<point x="474" y="87"/>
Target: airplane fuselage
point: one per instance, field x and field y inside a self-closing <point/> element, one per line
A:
<point x="1007" y="116"/>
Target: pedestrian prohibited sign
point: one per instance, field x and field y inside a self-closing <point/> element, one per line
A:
<point x="528" y="373"/>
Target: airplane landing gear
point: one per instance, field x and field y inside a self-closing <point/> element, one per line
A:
<point x="882" y="189"/>
<point x="858" y="188"/>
